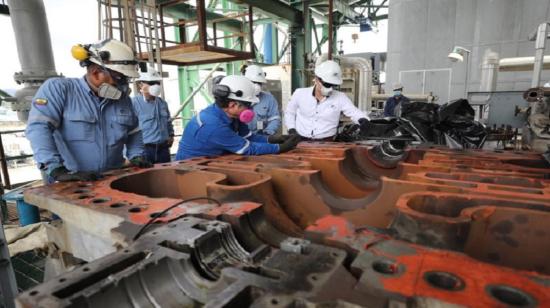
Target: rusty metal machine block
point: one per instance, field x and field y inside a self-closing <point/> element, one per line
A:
<point x="336" y="224"/>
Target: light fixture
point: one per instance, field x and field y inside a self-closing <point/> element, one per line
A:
<point x="458" y="54"/>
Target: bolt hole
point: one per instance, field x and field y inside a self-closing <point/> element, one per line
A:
<point x="334" y="254"/>
<point x="81" y="191"/>
<point x="510" y="296"/>
<point x="314" y="277"/>
<point x="33" y="293"/>
<point x="444" y="280"/>
<point x="135" y="210"/>
<point x="62" y="280"/>
<point x="84" y="185"/>
<point x="86" y="269"/>
<point x="100" y="200"/>
<point x="118" y="204"/>
<point x="385" y="267"/>
<point x="274" y="301"/>
<point x="126" y="250"/>
<point x="84" y="197"/>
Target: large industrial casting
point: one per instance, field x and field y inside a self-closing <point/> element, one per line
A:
<point x="333" y="223"/>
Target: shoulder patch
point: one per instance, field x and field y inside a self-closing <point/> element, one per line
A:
<point x="41" y="101"/>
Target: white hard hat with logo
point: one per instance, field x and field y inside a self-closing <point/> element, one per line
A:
<point x="240" y="88"/>
<point x="115" y="56"/>
<point x="330" y="72"/>
<point x="150" y="75"/>
<point x="255" y="73"/>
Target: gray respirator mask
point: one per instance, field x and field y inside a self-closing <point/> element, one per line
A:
<point x="109" y="91"/>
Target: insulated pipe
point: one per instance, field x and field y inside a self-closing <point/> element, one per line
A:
<point x="540" y="45"/>
<point x="489" y="72"/>
<point x="34" y="49"/>
<point x="520" y="64"/>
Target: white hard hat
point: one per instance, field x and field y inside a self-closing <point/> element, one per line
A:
<point x="547" y="85"/>
<point x="330" y="72"/>
<point x="397" y="86"/>
<point x="255" y="73"/>
<point x="241" y="89"/>
<point x="150" y="75"/>
<point x="115" y="56"/>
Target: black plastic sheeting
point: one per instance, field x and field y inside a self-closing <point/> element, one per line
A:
<point x="450" y="124"/>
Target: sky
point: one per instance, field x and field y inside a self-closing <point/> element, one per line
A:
<point x="72" y="22"/>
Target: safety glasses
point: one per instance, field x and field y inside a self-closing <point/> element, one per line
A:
<point x="119" y="78"/>
<point x="152" y="83"/>
<point x="327" y="85"/>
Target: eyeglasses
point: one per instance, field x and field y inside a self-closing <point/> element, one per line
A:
<point x="326" y="84"/>
<point x="152" y="83"/>
<point x="118" y="77"/>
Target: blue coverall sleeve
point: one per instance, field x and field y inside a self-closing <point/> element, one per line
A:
<point x="274" y="118"/>
<point x="230" y="141"/>
<point x="245" y="132"/>
<point x="134" y="143"/>
<point x="44" y="118"/>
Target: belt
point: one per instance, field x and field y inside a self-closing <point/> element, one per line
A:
<point x="331" y="138"/>
<point x="156" y="145"/>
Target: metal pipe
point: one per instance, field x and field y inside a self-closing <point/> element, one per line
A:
<point x="34" y="49"/>
<point x="330" y="29"/>
<point x="413" y="97"/>
<point x="540" y="44"/>
<point x="489" y="72"/>
<point x="4" y="165"/>
<point x="520" y="64"/>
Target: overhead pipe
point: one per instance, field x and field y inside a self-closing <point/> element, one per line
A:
<point x="34" y="48"/>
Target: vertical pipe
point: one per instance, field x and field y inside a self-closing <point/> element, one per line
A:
<point x="330" y="29"/>
<point x="540" y="44"/>
<point x="251" y="31"/>
<point x="268" y="51"/>
<point x="4" y="165"/>
<point x="162" y="32"/>
<point x="201" y="22"/>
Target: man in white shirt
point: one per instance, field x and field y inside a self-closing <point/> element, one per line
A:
<point x="314" y="112"/>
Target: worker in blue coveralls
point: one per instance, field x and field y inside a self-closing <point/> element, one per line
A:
<point x="267" y="120"/>
<point x="78" y="127"/>
<point x="154" y="117"/>
<point x="393" y="105"/>
<point x="222" y="128"/>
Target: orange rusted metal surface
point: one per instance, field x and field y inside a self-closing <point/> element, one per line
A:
<point x="461" y="227"/>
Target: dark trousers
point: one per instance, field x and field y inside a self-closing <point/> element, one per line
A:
<point x="322" y="139"/>
<point x="157" y="153"/>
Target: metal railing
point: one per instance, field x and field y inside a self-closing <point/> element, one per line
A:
<point x="5" y="159"/>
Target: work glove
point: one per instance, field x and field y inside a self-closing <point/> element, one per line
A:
<point x="140" y="162"/>
<point x="292" y="131"/>
<point x="289" y="144"/>
<point x="364" y="125"/>
<point x="278" y="138"/>
<point x="170" y="141"/>
<point x="62" y="174"/>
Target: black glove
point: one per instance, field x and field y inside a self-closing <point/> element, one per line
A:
<point x="62" y="174"/>
<point x="364" y="124"/>
<point x="289" y="144"/>
<point x="140" y="162"/>
<point x="292" y="131"/>
<point x="278" y="138"/>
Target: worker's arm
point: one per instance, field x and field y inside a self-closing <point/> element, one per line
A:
<point x="388" y="107"/>
<point x="350" y="110"/>
<point x="274" y="118"/>
<point x="230" y="141"/>
<point x="245" y="132"/>
<point x="44" y="118"/>
<point x="290" y="112"/>
<point x="134" y="143"/>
